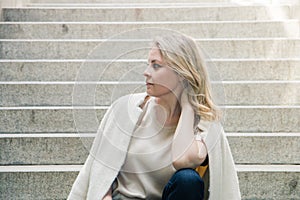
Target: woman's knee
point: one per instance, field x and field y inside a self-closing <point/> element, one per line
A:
<point x="184" y="184"/>
<point x="188" y="178"/>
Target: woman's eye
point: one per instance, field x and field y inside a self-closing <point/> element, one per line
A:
<point x="155" y="66"/>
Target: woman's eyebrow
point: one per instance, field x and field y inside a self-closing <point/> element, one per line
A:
<point x="152" y="61"/>
<point x="155" y="61"/>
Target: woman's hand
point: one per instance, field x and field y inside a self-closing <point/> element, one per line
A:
<point x="184" y="100"/>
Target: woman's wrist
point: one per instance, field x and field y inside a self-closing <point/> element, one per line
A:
<point x="108" y="195"/>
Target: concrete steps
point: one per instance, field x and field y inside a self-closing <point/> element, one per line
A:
<point x="66" y="70"/>
<point x="63" y="94"/>
<point x="54" y="182"/>
<point x="140" y="13"/>
<point x="44" y="139"/>
<point x="21" y="149"/>
<point x="102" y="30"/>
<point x="62" y="119"/>
<point x="138" y="49"/>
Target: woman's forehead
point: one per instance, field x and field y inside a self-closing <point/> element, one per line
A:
<point x="155" y="55"/>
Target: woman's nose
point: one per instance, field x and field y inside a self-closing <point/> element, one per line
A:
<point x="147" y="72"/>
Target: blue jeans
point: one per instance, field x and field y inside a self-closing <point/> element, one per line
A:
<point x="184" y="184"/>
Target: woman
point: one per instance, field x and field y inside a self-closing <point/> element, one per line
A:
<point x="158" y="145"/>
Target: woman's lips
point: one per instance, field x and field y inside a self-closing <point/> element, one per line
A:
<point x="148" y="85"/>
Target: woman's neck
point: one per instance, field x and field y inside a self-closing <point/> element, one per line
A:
<point x="171" y="107"/>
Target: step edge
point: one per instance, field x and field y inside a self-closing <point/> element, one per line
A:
<point x="145" y="60"/>
<point x="150" y="6"/>
<point x="76" y="168"/>
<point x="225" y="82"/>
<point x="91" y="135"/>
<point x="296" y="21"/>
<point x="266" y="39"/>
<point x="106" y="107"/>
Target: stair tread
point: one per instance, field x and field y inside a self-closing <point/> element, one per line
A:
<point x="151" y="12"/>
<point x="137" y="49"/>
<point x="103" y="30"/>
<point x="249" y="93"/>
<point x="61" y="119"/>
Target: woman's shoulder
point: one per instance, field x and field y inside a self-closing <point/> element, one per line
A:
<point x="206" y="125"/>
<point x="210" y="129"/>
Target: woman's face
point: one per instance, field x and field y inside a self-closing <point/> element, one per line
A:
<point x="160" y="79"/>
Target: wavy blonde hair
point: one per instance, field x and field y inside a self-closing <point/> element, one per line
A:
<point x="182" y="54"/>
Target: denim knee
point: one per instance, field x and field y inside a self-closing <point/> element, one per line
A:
<point x="184" y="184"/>
<point x="188" y="178"/>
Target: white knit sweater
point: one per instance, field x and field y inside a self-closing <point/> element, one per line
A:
<point x="110" y="146"/>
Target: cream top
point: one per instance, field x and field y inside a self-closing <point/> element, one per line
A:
<point x="148" y="165"/>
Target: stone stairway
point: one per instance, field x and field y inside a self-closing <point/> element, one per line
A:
<point x="45" y="46"/>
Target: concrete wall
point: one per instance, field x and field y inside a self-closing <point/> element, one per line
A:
<point x="11" y="3"/>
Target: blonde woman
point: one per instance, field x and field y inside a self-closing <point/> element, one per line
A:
<point x="165" y="144"/>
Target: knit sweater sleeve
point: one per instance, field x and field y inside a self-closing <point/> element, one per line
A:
<point x="108" y="150"/>
<point x="223" y="180"/>
<point x="80" y="186"/>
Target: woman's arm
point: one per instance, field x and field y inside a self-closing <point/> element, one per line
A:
<point x="186" y="151"/>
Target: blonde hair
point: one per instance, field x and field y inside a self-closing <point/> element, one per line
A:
<point x="181" y="53"/>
